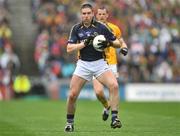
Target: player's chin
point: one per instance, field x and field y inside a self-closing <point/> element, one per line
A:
<point x="101" y="20"/>
<point x="87" y="22"/>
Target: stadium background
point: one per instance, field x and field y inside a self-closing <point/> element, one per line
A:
<point x="35" y="69"/>
<point x="33" y="36"/>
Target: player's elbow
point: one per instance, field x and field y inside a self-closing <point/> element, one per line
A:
<point x="69" y="49"/>
<point x="116" y="43"/>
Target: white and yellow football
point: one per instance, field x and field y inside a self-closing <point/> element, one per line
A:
<point x="98" y="39"/>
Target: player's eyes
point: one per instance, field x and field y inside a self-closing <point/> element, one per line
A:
<point x="88" y="13"/>
<point x="101" y="14"/>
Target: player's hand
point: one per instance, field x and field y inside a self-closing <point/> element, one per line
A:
<point x="104" y="44"/>
<point x="124" y="51"/>
<point x="89" y="40"/>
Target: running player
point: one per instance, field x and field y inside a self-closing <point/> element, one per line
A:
<point x="111" y="58"/>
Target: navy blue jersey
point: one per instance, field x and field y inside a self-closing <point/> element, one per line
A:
<point x="79" y="33"/>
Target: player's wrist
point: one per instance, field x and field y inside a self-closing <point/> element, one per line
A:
<point x="110" y="43"/>
<point x="124" y="51"/>
<point x="123" y="47"/>
<point x="85" y="42"/>
<point x="81" y="45"/>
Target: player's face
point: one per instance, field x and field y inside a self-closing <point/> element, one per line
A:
<point x="102" y="15"/>
<point x="87" y="16"/>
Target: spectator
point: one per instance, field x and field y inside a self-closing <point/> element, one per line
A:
<point x="150" y="27"/>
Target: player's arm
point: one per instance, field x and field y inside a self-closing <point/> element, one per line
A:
<point x="123" y="46"/>
<point x="74" y="46"/>
<point x="107" y="43"/>
<point x="116" y="43"/>
<point x="122" y="43"/>
<point x="111" y="39"/>
<point x="73" y="43"/>
<point x="77" y="46"/>
<point x="117" y="33"/>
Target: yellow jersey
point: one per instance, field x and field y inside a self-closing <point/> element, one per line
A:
<point x="110" y="52"/>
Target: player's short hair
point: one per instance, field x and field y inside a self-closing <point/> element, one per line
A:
<point x="102" y="7"/>
<point x="86" y="5"/>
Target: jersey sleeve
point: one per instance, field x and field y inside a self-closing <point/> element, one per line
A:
<point x="118" y="32"/>
<point x="115" y="29"/>
<point x="73" y="37"/>
<point x="108" y="34"/>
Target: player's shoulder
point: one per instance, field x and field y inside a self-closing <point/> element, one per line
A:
<point x="99" y="24"/>
<point x="111" y="25"/>
<point x="102" y="26"/>
<point x="115" y="29"/>
<point x="77" y="26"/>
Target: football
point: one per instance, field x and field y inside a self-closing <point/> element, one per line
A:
<point x="96" y="42"/>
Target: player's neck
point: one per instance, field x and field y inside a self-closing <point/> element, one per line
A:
<point x="87" y="25"/>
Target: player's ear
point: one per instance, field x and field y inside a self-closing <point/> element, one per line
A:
<point x="107" y="15"/>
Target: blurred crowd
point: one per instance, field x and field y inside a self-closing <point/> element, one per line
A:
<point x="151" y="28"/>
<point x="9" y="61"/>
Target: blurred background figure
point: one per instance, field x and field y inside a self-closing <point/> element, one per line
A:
<point x="21" y="86"/>
<point x="9" y="61"/>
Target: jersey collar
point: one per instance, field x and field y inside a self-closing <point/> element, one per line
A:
<point x="93" y="22"/>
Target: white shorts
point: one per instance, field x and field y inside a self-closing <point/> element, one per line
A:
<point x="113" y="67"/>
<point x="114" y="70"/>
<point x="88" y="69"/>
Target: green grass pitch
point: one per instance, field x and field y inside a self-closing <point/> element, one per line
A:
<point x="47" y="118"/>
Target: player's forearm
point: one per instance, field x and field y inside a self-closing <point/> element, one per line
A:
<point x="73" y="47"/>
<point x="122" y="43"/>
<point x="116" y="44"/>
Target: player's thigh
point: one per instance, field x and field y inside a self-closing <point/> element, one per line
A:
<point x="76" y="84"/>
<point x="108" y="79"/>
<point x="98" y="86"/>
<point x="83" y="70"/>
